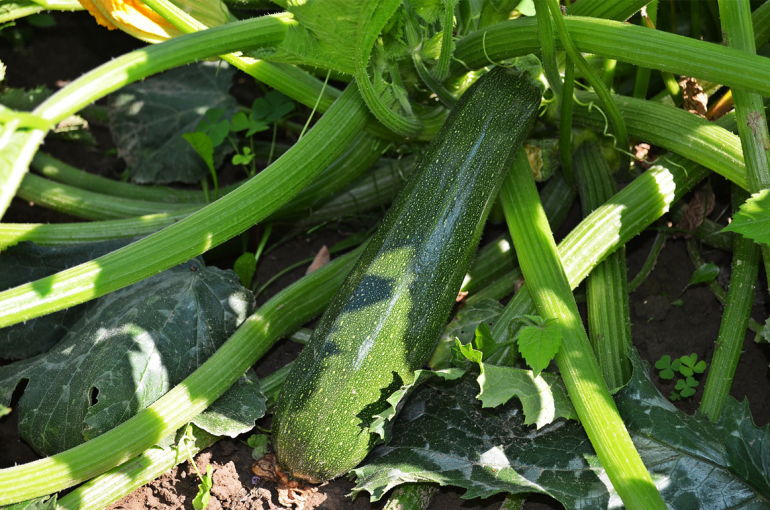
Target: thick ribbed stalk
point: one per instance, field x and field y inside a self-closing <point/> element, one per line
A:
<point x="89" y="205"/>
<point x="248" y="34"/>
<point x="636" y="45"/>
<point x="565" y="121"/>
<point x="752" y="123"/>
<point x="642" y="81"/>
<point x="197" y="233"/>
<point x="732" y="330"/>
<point x="548" y="46"/>
<point x="288" y="309"/>
<point x="582" y="376"/>
<point x="609" y="321"/>
<point x="615" y="223"/>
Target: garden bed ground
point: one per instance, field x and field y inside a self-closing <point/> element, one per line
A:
<point x="61" y="53"/>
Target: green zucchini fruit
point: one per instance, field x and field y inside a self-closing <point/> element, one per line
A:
<point x="385" y="320"/>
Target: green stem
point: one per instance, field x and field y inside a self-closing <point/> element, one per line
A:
<point x="580" y="372"/>
<point x="366" y="193"/>
<point x="732" y="330"/>
<point x="89" y="205"/>
<point x="695" y="20"/>
<point x="411" y="496"/>
<point x="618" y="124"/>
<point x="654" y="49"/>
<point x="447" y="44"/>
<point x="288" y="309"/>
<point x="548" y="46"/>
<point x="760" y="20"/>
<point x="139" y="64"/>
<point x="716" y="288"/>
<point x="197" y="233"/>
<point x="649" y="263"/>
<point x="565" y="121"/>
<point x="618" y="10"/>
<point x="752" y="122"/>
<point x="608" y="72"/>
<point x="609" y="320"/>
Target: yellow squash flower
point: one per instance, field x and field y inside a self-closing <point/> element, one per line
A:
<point x="138" y="20"/>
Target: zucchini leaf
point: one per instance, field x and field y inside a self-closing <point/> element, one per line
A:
<point x="132" y="347"/>
<point x="148" y="119"/>
<point x="235" y="412"/>
<point x="543" y="397"/>
<point x="443" y="435"/>
<point x="753" y="219"/>
<point x="27" y="262"/>
<point x="43" y="503"/>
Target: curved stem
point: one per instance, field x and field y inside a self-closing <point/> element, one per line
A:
<point x="197" y="233"/>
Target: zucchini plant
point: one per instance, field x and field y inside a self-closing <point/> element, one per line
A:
<point x="130" y="333"/>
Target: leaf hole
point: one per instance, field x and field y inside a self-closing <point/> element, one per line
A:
<point x="92" y="395"/>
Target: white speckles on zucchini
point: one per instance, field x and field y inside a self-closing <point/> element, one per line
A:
<point x="385" y="320"/>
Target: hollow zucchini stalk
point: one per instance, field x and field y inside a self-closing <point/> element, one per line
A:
<point x="89" y="205"/>
<point x="552" y="295"/>
<point x="732" y="330"/>
<point x="752" y="122"/>
<point x="636" y="45"/>
<point x="609" y="320"/>
<point x="197" y="233"/>
<point x="288" y="309"/>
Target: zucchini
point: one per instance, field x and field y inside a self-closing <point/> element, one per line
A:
<point x="386" y="318"/>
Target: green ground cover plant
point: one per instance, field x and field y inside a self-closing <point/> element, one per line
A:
<point x="128" y="339"/>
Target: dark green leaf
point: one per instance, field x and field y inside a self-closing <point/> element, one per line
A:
<point x="24" y="100"/>
<point x="753" y="219"/>
<point x="27" y="262"/>
<point x="704" y="273"/>
<point x="148" y="119"/>
<point x="274" y="106"/>
<point x="244" y="267"/>
<point x="214" y="127"/>
<point x="134" y="345"/>
<point x="443" y="435"/>
<point x="235" y="412"/>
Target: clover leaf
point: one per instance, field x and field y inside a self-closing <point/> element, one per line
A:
<point x="214" y="127"/>
<point x="690" y="365"/>
<point x="686" y="387"/>
<point x="667" y="366"/>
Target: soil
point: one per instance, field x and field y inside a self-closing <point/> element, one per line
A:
<point x="659" y="327"/>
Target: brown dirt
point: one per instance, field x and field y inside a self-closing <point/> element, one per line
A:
<point x="658" y="327"/>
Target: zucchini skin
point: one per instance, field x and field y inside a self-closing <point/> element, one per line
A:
<point x="384" y="322"/>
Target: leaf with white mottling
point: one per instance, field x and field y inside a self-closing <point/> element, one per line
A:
<point x="134" y="345"/>
<point x="443" y="435"/>
<point x="27" y="262"/>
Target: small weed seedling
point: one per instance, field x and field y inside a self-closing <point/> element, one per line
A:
<point x="201" y="500"/>
<point x="687" y="366"/>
